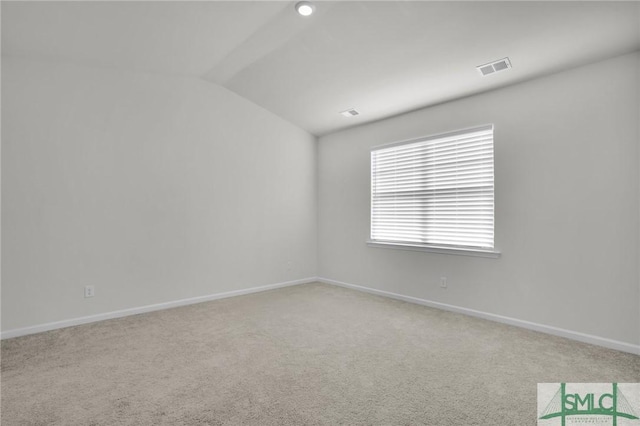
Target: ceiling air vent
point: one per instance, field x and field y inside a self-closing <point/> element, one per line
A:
<point x="350" y="112"/>
<point x="495" y="66"/>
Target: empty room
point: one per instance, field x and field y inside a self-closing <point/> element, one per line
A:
<point x="320" y="213"/>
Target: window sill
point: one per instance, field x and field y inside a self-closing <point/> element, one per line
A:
<point x="436" y="249"/>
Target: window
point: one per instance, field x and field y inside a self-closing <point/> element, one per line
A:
<point x="435" y="193"/>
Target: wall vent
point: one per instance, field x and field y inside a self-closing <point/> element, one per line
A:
<point x="350" y="112"/>
<point x="495" y="66"/>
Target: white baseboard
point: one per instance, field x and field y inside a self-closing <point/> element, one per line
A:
<point x="573" y="335"/>
<point x="148" y="308"/>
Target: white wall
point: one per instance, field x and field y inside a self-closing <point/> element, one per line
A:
<point x="567" y="204"/>
<point x="152" y="188"/>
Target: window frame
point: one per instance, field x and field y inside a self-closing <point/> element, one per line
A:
<point x="427" y="247"/>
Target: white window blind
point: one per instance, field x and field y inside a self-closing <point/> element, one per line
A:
<point x="435" y="192"/>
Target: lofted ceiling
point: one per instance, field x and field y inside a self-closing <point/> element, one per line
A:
<point x="380" y="57"/>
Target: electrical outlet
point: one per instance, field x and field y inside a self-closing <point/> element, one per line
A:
<point x="89" y="291"/>
<point x="443" y="282"/>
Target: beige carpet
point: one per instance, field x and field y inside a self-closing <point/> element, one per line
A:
<point x="304" y="355"/>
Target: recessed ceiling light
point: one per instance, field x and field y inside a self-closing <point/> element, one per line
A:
<point x="495" y="66"/>
<point x="349" y="112"/>
<point x="305" y="8"/>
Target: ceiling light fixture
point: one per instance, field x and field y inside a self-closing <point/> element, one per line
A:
<point x="305" y="8"/>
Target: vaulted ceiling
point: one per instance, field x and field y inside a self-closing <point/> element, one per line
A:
<point x="382" y="58"/>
